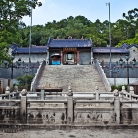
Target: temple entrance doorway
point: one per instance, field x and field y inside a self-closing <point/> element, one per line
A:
<point x="70" y="56"/>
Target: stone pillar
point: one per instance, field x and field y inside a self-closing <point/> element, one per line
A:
<point x="61" y="59"/>
<point x="92" y="56"/>
<point x="97" y="92"/>
<point x="92" y="61"/>
<point x="23" y="108"/>
<point x="16" y="90"/>
<point x="70" y="106"/>
<point x="75" y="57"/>
<point x="78" y="57"/>
<point x="131" y="92"/>
<point x="8" y="92"/>
<point x="8" y="95"/>
<point x="117" y="106"/>
<point x="122" y="91"/>
<point x="64" y="58"/>
<point x="47" y="58"/>
<point x="42" y="94"/>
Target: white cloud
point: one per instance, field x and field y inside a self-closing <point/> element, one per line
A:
<point x="52" y="6"/>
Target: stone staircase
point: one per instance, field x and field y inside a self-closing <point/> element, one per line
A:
<point x="82" y="78"/>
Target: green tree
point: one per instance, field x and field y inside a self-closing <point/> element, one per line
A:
<point x="11" y="13"/>
<point x="132" y="18"/>
<point x="25" y="81"/>
<point x="121" y="30"/>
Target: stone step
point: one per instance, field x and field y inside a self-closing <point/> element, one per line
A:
<point x="79" y="77"/>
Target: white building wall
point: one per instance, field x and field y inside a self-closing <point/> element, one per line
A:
<point x="34" y="57"/>
<point x="106" y="57"/>
<point x="133" y="53"/>
<point x="121" y="81"/>
<point x="115" y="57"/>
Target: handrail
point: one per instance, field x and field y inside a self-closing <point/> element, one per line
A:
<point x="123" y="101"/>
<point x="16" y="101"/>
<point x="47" y="101"/>
<point x="37" y="74"/>
<point x="59" y="94"/>
<point x="103" y="76"/>
<point x="93" y="101"/>
<point x="9" y="107"/>
<point x="134" y="95"/>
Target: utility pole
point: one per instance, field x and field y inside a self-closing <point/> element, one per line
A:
<point x="110" y="41"/>
<point x="30" y="44"/>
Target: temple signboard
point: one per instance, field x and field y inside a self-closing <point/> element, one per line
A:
<point x="69" y="49"/>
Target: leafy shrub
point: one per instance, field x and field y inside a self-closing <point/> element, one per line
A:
<point x="119" y="87"/>
<point x="25" y="81"/>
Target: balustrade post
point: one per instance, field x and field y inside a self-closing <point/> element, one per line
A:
<point x="8" y="92"/>
<point x="70" y="106"/>
<point x="16" y="90"/>
<point x="117" y="106"/>
<point x="123" y="91"/>
<point x="23" y="108"/>
<point x="42" y="94"/>
<point x="47" y="58"/>
<point x="131" y="93"/>
<point x="92" y="59"/>
<point x="97" y="92"/>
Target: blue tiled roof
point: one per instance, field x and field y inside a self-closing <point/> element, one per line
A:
<point x="14" y="46"/>
<point x="124" y="46"/>
<point x="107" y="50"/>
<point x="35" y="49"/>
<point x="128" y="46"/>
<point x="59" y="43"/>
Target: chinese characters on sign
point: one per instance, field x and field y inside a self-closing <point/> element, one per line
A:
<point x="70" y="49"/>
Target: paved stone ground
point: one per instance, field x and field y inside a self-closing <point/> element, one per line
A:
<point x="73" y="133"/>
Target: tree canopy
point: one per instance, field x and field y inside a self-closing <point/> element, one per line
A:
<point x="13" y="30"/>
<point x="11" y="14"/>
<point x="79" y="26"/>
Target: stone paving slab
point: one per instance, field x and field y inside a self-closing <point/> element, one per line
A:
<point x="73" y="133"/>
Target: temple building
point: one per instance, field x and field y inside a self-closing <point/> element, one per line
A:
<point x="69" y="51"/>
<point x="72" y="52"/>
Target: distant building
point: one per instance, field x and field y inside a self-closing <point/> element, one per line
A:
<point x="73" y="51"/>
<point x="133" y="51"/>
<point x="103" y="53"/>
<point x="76" y="52"/>
<point x="37" y="53"/>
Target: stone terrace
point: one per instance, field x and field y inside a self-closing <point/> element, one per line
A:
<point x="82" y="78"/>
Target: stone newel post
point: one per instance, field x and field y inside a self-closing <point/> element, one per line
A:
<point x="131" y="93"/>
<point x="97" y="92"/>
<point x="8" y="91"/>
<point x="42" y="93"/>
<point x="23" y="111"/>
<point x="117" y="106"/>
<point x="70" y="106"/>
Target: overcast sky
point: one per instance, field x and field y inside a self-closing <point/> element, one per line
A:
<point x="91" y="9"/>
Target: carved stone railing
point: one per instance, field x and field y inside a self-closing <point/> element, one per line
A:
<point x="37" y="75"/>
<point x="72" y="110"/>
<point x="103" y="76"/>
<point x="42" y="95"/>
